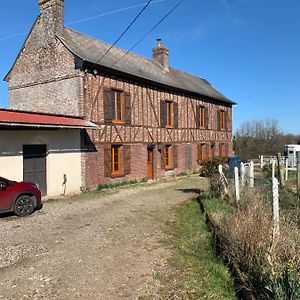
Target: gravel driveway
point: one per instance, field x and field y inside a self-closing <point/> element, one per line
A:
<point x="96" y="246"/>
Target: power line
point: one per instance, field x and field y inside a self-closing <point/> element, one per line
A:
<point x="147" y="33"/>
<point x="123" y="33"/>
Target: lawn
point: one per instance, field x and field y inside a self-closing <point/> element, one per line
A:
<point x="194" y="270"/>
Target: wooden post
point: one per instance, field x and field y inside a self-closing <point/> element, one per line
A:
<point x="251" y="181"/>
<point x="298" y="175"/>
<point x="286" y="169"/>
<point x="273" y="168"/>
<point x="243" y="171"/>
<point x="275" y="204"/>
<point x="261" y="161"/>
<point x="280" y="171"/>
<point x="237" y="184"/>
<point x="220" y="169"/>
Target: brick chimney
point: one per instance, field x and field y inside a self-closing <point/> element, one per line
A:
<point x="52" y="17"/>
<point x="161" y="54"/>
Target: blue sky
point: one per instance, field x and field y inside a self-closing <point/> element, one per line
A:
<point x="248" y="49"/>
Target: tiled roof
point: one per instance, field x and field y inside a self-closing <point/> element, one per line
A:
<point x="30" y="119"/>
<point x="91" y="50"/>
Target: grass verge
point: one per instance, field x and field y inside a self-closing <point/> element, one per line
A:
<point x="195" y="272"/>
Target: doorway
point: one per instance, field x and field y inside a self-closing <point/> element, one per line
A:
<point x="150" y="174"/>
<point x="34" y="165"/>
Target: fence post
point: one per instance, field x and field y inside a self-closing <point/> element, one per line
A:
<point x="243" y="172"/>
<point x="261" y="161"/>
<point x="275" y="204"/>
<point x="286" y="169"/>
<point x="251" y="181"/>
<point x="280" y="172"/>
<point x="298" y="176"/>
<point x="237" y="183"/>
<point x="273" y="168"/>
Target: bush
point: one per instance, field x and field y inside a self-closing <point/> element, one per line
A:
<point x="210" y="167"/>
<point x="271" y="262"/>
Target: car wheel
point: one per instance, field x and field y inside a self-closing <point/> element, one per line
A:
<point x="24" y="206"/>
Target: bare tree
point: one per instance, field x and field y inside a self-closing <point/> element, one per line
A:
<point x="258" y="137"/>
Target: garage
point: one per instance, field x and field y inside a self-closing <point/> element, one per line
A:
<point x="44" y="149"/>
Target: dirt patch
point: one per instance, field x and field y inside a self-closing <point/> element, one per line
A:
<point x="99" y="247"/>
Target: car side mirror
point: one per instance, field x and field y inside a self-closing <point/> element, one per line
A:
<point x="3" y="186"/>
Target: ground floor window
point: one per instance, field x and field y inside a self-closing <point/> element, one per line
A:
<point x="116" y="159"/>
<point x="222" y="150"/>
<point x="169" y="157"/>
<point x="202" y="152"/>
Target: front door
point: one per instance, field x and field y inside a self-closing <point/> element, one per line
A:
<point x="34" y="166"/>
<point x="150" y="164"/>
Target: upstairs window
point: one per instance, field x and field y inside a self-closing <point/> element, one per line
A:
<point x="117" y="104"/>
<point x="202" y="116"/>
<point x="222" y="120"/>
<point x="169" y="122"/>
<point x="168" y="114"/>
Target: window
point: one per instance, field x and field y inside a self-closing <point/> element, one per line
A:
<point x="202" y="152"/>
<point x="202" y="116"/>
<point x="168" y="156"/>
<point x="222" y="150"/>
<point x="116" y="159"/>
<point x="117" y="103"/>
<point x="222" y="119"/>
<point x="169" y="114"/>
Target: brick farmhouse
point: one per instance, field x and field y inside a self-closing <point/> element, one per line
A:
<point x="153" y="120"/>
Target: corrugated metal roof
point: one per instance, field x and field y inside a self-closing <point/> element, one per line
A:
<point x="92" y="50"/>
<point x="30" y="119"/>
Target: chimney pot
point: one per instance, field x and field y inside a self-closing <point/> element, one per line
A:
<point x="161" y="54"/>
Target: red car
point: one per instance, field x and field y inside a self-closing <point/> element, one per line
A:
<point x="22" y="198"/>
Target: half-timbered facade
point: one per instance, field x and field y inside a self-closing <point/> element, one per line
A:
<point x="153" y="120"/>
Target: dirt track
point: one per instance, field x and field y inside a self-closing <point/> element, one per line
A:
<point x="102" y="246"/>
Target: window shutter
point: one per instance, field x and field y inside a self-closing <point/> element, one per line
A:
<point x="175" y="106"/>
<point x="199" y="149"/>
<point x="207" y="151"/>
<point x="226" y="150"/>
<point x="127" y="108"/>
<point x="198" y="116"/>
<point x="163" y="157"/>
<point x="127" y="159"/>
<point x="206" y="118"/>
<point x="163" y="113"/>
<point x="107" y="106"/>
<point x="107" y="160"/>
<point x="226" y="120"/>
<point x="175" y="156"/>
<point x="218" y="120"/>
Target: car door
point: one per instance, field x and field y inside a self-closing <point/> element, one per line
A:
<point x="6" y="195"/>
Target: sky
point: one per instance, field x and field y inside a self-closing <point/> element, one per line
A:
<point x="249" y="50"/>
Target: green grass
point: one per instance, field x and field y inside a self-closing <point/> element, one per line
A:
<point x="196" y="273"/>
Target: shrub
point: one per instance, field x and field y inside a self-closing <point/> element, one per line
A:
<point x="210" y="167"/>
<point x="265" y="257"/>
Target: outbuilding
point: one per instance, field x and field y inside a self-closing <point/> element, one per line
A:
<point x="43" y="148"/>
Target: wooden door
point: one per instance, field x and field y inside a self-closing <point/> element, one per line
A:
<point x="150" y="164"/>
<point x="34" y="166"/>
